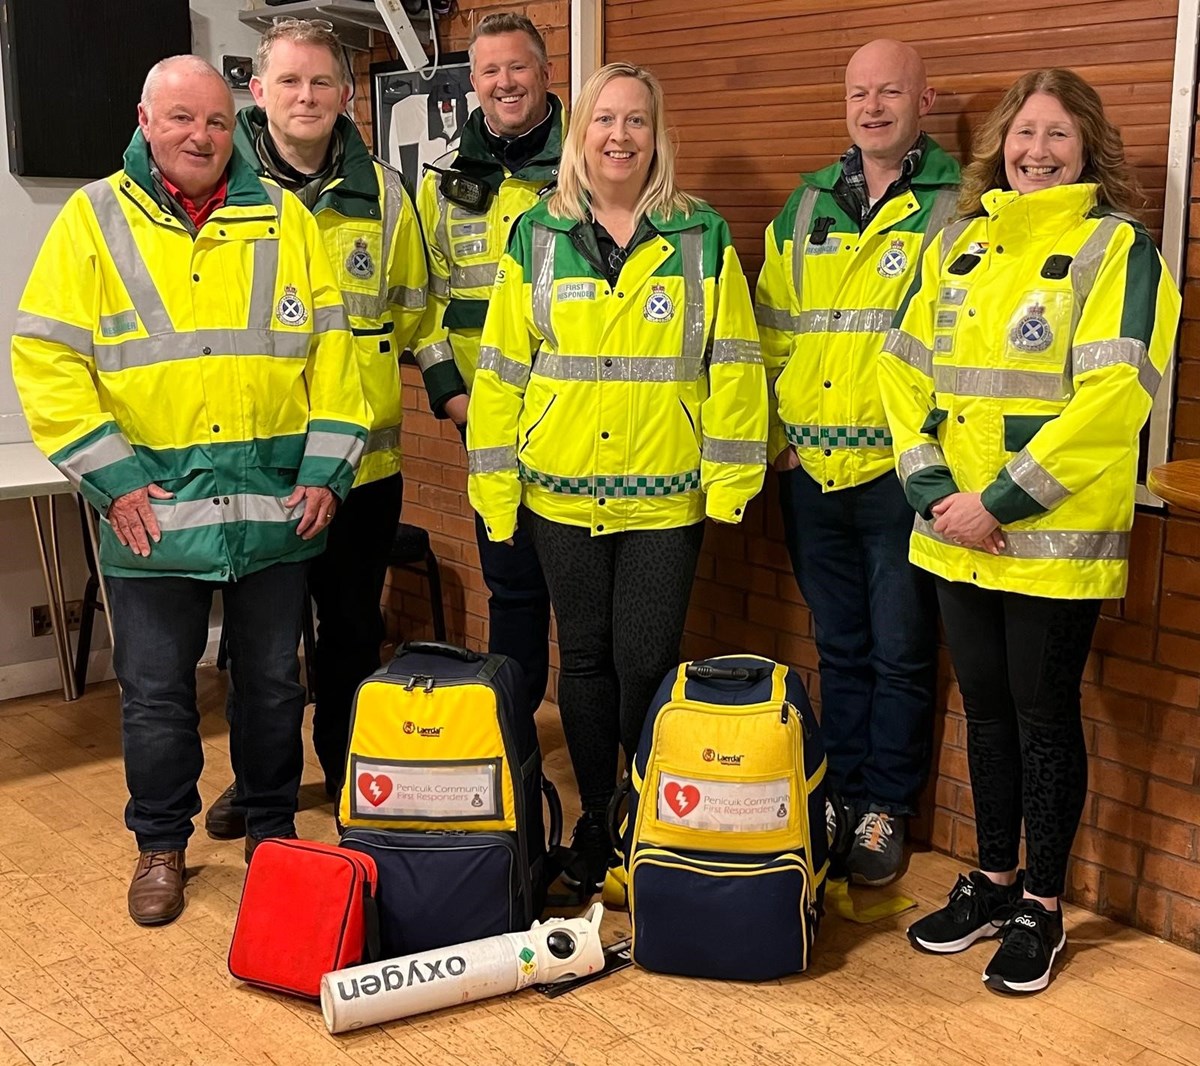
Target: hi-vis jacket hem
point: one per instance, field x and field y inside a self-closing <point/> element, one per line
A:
<point x="218" y="367"/>
<point x="635" y="406"/>
<point x="1023" y="368"/>
<point x="826" y="297"/>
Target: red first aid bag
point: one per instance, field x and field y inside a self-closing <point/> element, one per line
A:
<point x="307" y="909"/>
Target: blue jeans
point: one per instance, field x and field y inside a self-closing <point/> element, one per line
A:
<point x="875" y="617"/>
<point x="160" y="629"/>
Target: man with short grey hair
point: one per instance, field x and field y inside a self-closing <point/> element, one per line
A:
<point x="183" y="356"/>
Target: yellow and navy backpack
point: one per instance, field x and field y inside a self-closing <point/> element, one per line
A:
<point x="724" y="840"/>
<point x="444" y="791"/>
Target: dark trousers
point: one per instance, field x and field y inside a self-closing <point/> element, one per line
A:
<point x="875" y="620"/>
<point x="621" y="601"/>
<point x="1020" y="662"/>
<point x="346" y="582"/>
<point x="160" y="629"/>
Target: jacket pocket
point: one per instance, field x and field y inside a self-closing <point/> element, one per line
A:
<point x="1019" y="430"/>
<point x="934" y="419"/>
<point x="537" y="422"/>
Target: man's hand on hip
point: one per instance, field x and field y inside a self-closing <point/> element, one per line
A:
<point x="319" y="507"/>
<point x="132" y="518"/>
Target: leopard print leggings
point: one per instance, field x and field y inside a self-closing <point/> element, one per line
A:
<point x="1020" y="662"/>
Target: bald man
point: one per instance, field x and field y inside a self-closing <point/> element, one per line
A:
<point x="840" y="258"/>
<point x="183" y="357"/>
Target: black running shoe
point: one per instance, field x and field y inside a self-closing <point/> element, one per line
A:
<point x="590" y="841"/>
<point x="977" y="908"/>
<point x="1029" y="943"/>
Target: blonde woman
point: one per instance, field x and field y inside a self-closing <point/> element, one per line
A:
<point x="1016" y="386"/>
<point x="620" y="399"/>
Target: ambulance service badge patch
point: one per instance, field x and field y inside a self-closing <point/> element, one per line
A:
<point x="291" y="310"/>
<point x="659" y="307"/>
<point x="359" y="262"/>
<point x="1032" y="333"/>
<point x="893" y="262"/>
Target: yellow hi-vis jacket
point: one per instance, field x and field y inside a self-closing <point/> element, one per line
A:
<point x="373" y="240"/>
<point x="1023" y="368"/>
<point x="639" y="406"/>
<point x="219" y="367"/>
<point x="826" y="298"/>
<point x="464" y="248"/>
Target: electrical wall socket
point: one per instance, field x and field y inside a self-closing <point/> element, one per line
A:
<point x="40" y="624"/>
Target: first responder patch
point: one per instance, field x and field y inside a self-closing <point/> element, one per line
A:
<point x="659" y="306"/>
<point x="291" y="310"/>
<point x="894" y="261"/>
<point x="1032" y="333"/>
<point x="359" y="262"/>
<point x="576" y="290"/>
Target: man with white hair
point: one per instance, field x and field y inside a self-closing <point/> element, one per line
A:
<point x="183" y="356"/>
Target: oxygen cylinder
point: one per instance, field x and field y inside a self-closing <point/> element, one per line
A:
<point x="555" y="950"/>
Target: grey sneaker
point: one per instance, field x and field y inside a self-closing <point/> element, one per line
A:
<point x="878" y="849"/>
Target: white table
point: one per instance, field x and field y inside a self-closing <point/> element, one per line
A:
<point x="25" y="473"/>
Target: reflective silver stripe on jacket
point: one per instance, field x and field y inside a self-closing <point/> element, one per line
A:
<point x="999" y="384"/>
<point x="406" y="296"/>
<point x="266" y="267"/>
<point x="1086" y="264"/>
<point x="716" y="450"/>
<point x="492" y="460"/>
<point x="432" y="354"/>
<point x="563" y="367"/>
<point x="439" y="286"/>
<point x="382" y="440"/>
<point x="1028" y="474"/>
<point x="41" y="328"/>
<point x="950" y="237"/>
<point x="852" y="320"/>
<point x="476" y="247"/>
<point x="691" y="252"/>
<point x="480" y="276"/>
<point x="732" y="350"/>
<point x="809" y="436"/>
<point x="543" y="282"/>
<point x="944" y="201"/>
<point x="1098" y="354"/>
<point x="906" y="347"/>
<point x="109" y="449"/>
<point x="922" y="457"/>
<point x="168" y="347"/>
<point x="1049" y="543"/>
<point x="327" y="318"/>
<point x="506" y="369"/>
<point x="243" y="507"/>
<point x="323" y="445"/>
<point x="774" y="318"/>
<point x="804" y="214"/>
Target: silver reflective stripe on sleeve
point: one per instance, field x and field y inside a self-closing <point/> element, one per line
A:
<point x="543" y="282"/>
<point x="999" y="384"/>
<point x="716" y="450"/>
<point x="439" y="286"/>
<point x="321" y="445"/>
<point x="1100" y="354"/>
<point x="559" y="366"/>
<point x="906" y="347"/>
<point x="109" y="449"/>
<point x="327" y="318"/>
<point x="145" y="351"/>
<point x="506" y="369"/>
<point x="363" y="305"/>
<point x="131" y="266"/>
<point x="266" y="268"/>
<point x="939" y="214"/>
<point x="492" y="460"/>
<point x="432" y="354"/>
<point x="733" y="350"/>
<point x="41" y="328"/>
<point x="804" y="214"/>
<point x="691" y="252"/>
<point x="1086" y="264"/>
<point x="852" y="320"/>
<point x="950" y="237"/>
<point x="1028" y="474"/>
<point x="480" y="276"/>
<point x="393" y="204"/>
<point x="406" y="296"/>
<point x="922" y="457"/>
<point x="773" y="318"/>
<point x="383" y="440"/>
<point x="1048" y="543"/>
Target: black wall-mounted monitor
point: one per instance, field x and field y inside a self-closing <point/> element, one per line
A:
<point x="73" y="73"/>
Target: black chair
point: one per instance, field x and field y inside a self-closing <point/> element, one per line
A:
<point x="92" y="602"/>
<point x="411" y="550"/>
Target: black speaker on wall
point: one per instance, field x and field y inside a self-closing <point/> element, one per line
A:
<point x="73" y="73"/>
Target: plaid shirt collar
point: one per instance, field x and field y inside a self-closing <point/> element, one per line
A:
<point x="854" y="181"/>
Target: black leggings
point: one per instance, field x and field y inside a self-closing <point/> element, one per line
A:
<point x="1020" y="661"/>
<point x="621" y="602"/>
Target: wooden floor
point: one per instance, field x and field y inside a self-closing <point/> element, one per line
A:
<point x="81" y="984"/>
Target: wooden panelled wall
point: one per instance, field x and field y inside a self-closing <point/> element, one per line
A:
<point x="754" y="93"/>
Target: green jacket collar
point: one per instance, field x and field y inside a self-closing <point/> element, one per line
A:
<point x="476" y="159"/>
<point x="355" y="192"/>
<point x="245" y="189"/>
<point x="937" y="168"/>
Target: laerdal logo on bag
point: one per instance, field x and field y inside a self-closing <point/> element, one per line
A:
<point x="709" y="755"/>
<point x="392" y="978"/>
<point x="423" y="731"/>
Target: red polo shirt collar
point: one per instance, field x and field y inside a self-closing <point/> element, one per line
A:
<point x="198" y="213"/>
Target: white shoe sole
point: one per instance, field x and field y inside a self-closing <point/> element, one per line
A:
<point x="998" y="984"/>
<point x="951" y="947"/>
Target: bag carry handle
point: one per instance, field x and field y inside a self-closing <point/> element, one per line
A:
<point x="441" y="647"/>
<point x="704" y="671"/>
<point x="614" y="814"/>
<point x="556" y="813"/>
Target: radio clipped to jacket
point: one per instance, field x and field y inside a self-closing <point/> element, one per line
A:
<point x="463" y="190"/>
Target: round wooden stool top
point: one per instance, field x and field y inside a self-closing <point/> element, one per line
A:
<point x="1177" y="483"/>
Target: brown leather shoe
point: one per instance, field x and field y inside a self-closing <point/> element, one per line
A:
<point x="156" y="891"/>
<point x="253" y="842"/>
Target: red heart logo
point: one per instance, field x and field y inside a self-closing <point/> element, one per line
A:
<point x="374" y="788"/>
<point x="682" y="798"/>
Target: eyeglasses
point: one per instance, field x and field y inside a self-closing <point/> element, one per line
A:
<point x="287" y="21"/>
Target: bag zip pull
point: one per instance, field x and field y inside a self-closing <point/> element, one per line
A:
<point x="783" y="714"/>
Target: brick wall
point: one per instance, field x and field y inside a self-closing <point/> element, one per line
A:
<point x="1137" y="857"/>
